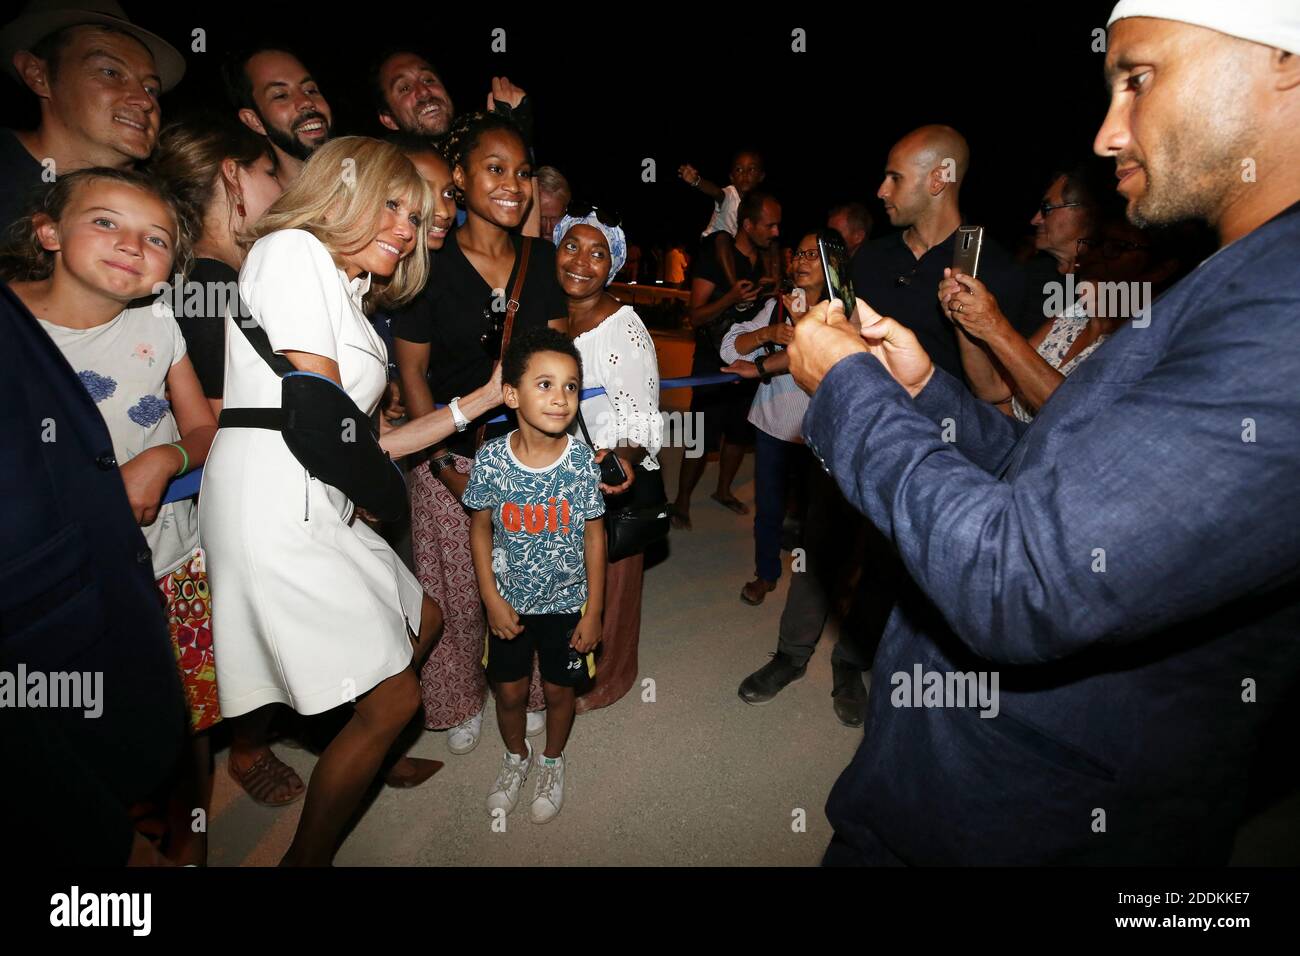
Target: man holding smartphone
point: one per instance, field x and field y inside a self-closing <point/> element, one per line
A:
<point x="1127" y="565"/>
<point x="899" y="273"/>
<point x="923" y="178"/>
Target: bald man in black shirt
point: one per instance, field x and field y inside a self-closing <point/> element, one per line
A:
<point x="899" y="274"/>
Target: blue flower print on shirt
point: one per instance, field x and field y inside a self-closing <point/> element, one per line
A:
<point x="99" y="386"/>
<point x="148" y="411"/>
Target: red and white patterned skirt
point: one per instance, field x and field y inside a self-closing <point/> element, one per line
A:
<point x="452" y="681"/>
<point x="187" y="602"/>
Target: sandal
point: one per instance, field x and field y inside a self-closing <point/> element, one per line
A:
<point x="756" y="590"/>
<point x="732" y="502"/>
<point x="264" y="776"/>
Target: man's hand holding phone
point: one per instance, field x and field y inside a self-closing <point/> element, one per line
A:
<point x="743" y="291"/>
<point x="825" y="337"/>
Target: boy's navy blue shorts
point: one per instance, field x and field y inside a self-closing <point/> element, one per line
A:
<point x="548" y="635"/>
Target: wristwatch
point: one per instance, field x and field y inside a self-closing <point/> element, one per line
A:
<point x="762" y="373"/>
<point x="443" y="461"/>
<point x="457" y="415"/>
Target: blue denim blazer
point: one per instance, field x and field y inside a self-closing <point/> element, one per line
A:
<point x="1128" y="564"/>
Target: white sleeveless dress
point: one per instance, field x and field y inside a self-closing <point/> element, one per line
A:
<point x="310" y="607"/>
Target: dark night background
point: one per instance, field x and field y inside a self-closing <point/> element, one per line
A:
<point x="616" y="84"/>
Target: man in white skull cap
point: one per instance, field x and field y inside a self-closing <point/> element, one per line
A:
<point x="1128" y="565"/>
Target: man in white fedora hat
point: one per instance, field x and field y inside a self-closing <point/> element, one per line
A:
<point x="1127" y="566"/>
<point x="97" y="77"/>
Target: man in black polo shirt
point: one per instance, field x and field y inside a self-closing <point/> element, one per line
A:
<point x="97" y="77"/>
<point x="899" y="274"/>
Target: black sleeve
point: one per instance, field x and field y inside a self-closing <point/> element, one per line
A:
<point x="205" y="343"/>
<point x="203" y="321"/>
<point x="707" y="267"/>
<point x="414" y="321"/>
<point x="541" y="270"/>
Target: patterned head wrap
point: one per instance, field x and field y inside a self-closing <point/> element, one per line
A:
<point x="613" y="236"/>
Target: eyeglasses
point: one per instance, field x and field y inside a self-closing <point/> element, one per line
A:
<point x="808" y="254"/>
<point x="606" y="217"/>
<point x="1046" y="207"/>
<point x="1112" y="248"/>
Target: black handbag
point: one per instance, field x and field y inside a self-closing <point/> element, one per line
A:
<point x="326" y="432"/>
<point x="638" y="517"/>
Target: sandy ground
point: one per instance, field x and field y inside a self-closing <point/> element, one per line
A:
<point x="680" y="772"/>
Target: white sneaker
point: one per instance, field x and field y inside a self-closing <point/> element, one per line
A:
<point x="536" y="723"/>
<point x="463" y="738"/>
<point x="548" y="796"/>
<point x="514" y="771"/>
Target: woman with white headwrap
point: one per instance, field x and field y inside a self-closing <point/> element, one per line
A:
<point x="618" y="355"/>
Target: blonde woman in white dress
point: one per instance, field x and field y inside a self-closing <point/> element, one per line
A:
<point x="317" y="611"/>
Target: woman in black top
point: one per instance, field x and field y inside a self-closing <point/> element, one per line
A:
<point x="441" y="355"/>
<point x="224" y="175"/>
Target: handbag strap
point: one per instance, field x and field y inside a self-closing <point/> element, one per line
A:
<point x="512" y="306"/>
<point x="583" y="425"/>
<point x="778" y="314"/>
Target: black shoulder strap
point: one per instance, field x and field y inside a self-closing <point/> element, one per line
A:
<point x="583" y="425"/>
<point x="261" y="342"/>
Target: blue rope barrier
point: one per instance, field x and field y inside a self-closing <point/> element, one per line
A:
<point x="187" y="485"/>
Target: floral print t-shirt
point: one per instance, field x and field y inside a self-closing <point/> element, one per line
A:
<point x="123" y="364"/>
<point x="539" y="516"/>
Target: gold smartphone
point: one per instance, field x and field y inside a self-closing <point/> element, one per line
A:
<point x="966" y="253"/>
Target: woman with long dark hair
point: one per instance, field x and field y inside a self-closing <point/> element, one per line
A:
<point x="225" y="176"/>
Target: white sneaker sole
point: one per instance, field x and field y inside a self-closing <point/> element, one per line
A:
<point x="540" y="730"/>
<point x="492" y="811"/>
<point x="542" y="822"/>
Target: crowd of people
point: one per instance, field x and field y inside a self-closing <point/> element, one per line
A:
<point x="458" y="295"/>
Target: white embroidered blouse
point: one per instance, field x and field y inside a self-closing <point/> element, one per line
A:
<point x="619" y="356"/>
